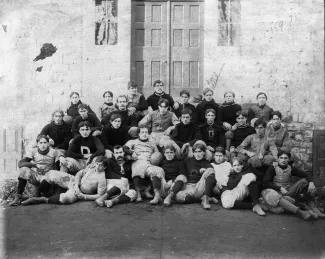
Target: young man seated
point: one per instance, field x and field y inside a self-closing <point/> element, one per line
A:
<point x="279" y="192"/>
<point x="35" y="165"/>
<point x="256" y="148"/>
<point x="84" y="115"/>
<point x="114" y="134"/>
<point x="212" y="133"/>
<point x="186" y="133"/>
<point x="88" y="185"/>
<point x="144" y="153"/>
<point x="129" y="121"/>
<point x="200" y="177"/>
<point x="172" y="167"/>
<point x="118" y="176"/>
<point x="83" y="149"/>
<point x="161" y="122"/>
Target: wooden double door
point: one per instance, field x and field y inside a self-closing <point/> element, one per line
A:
<point x="167" y="44"/>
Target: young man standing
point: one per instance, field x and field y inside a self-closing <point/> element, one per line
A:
<point x="118" y="175"/>
<point x="159" y="93"/>
<point x="184" y="104"/>
<point x="83" y="149"/>
<point x="35" y="165"/>
<point x="143" y="152"/>
<point x="95" y="125"/>
<point x="137" y="104"/>
<point x="255" y="148"/>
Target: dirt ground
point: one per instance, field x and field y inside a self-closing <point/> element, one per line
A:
<point x="83" y="230"/>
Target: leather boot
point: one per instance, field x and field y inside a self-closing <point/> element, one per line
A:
<point x="18" y="199"/>
<point x="205" y="202"/>
<point x="157" y="197"/>
<point x="35" y="200"/>
<point x="168" y="199"/>
<point x="303" y="214"/>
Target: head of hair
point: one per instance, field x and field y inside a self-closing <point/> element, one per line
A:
<point x="39" y="137"/>
<point x="187" y="111"/>
<point x="277" y="113"/>
<point x="158" y="82"/>
<point x="261" y="93"/>
<point x="143" y="127"/>
<point x="283" y="152"/>
<point x="229" y="92"/>
<point x="165" y="101"/>
<point x="242" y="113"/>
<point x="83" y="106"/>
<point x="132" y="83"/>
<point x="58" y="111"/>
<point x="210" y="110"/>
<point x="208" y="89"/>
<point x="73" y="93"/>
<point x="221" y="150"/>
<point x="103" y="160"/>
<point x="122" y="96"/>
<point x="169" y="146"/>
<point x="199" y="145"/>
<point x="260" y="121"/>
<point x="185" y="92"/>
<point x="108" y="92"/>
<point x="115" y="116"/>
<point x="84" y="124"/>
<point x="238" y="159"/>
<point x="116" y="147"/>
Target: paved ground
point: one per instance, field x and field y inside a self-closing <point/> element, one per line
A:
<point x="83" y="230"/>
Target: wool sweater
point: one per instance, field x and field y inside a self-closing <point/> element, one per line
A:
<point x="61" y="134"/>
<point x="202" y="107"/>
<point x="262" y="112"/>
<point x="213" y="135"/>
<point x="280" y="136"/>
<point x="93" y="120"/>
<point x="227" y="112"/>
<point x="112" y="137"/>
<point x="171" y="168"/>
<point x="153" y="100"/>
<point x="178" y="112"/>
<point x="128" y="121"/>
<point x="73" y="110"/>
<point x="241" y="133"/>
<point x="191" y="168"/>
<point x="159" y="122"/>
<point x="137" y="101"/>
<point x="80" y="145"/>
<point x="106" y="108"/>
<point x="189" y="133"/>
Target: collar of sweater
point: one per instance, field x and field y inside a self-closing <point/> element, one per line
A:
<point x="159" y="94"/>
<point x="283" y="166"/>
<point x="113" y="129"/>
<point x="228" y="104"/>
<point x="43" y="152"/>
<point x="243" y="126"/>
<point x="261" y="106"/>
<point x="205" y="103"/>
<point x="75" y="105"/>
<point x="57" y="125"/>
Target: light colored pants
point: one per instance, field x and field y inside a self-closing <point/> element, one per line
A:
<point x="196" y="190"/>
<point x="144" y="169"/>
<point x="32" y="175"/>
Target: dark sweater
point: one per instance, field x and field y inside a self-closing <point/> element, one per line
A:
<point x="241" y="133"/>
<point x="61" y="134"/>
<point x="92" y="118"/>
<point x="181" y="107"/>
<point x="270" y="173"/>
<point x="227" y="113"/>
<point x="73" y="110"/>
<point x="202" y="107"/>
<point x="216" y="137"/>
<point x="111" y="137"/>
<point x="153" y="100"/>
<point x="94" y="144"/>
<point x="263" y="112"/>
<point x="191" y="169"/>
<point x="186" y="134"/>
<point x="171" y="168"/>
<point x="114" y="170"/>
<point x="127" y="120"/>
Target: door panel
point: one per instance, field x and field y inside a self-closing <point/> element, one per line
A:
<point x="319" y="157"/>
<point x="167" y="44"/>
